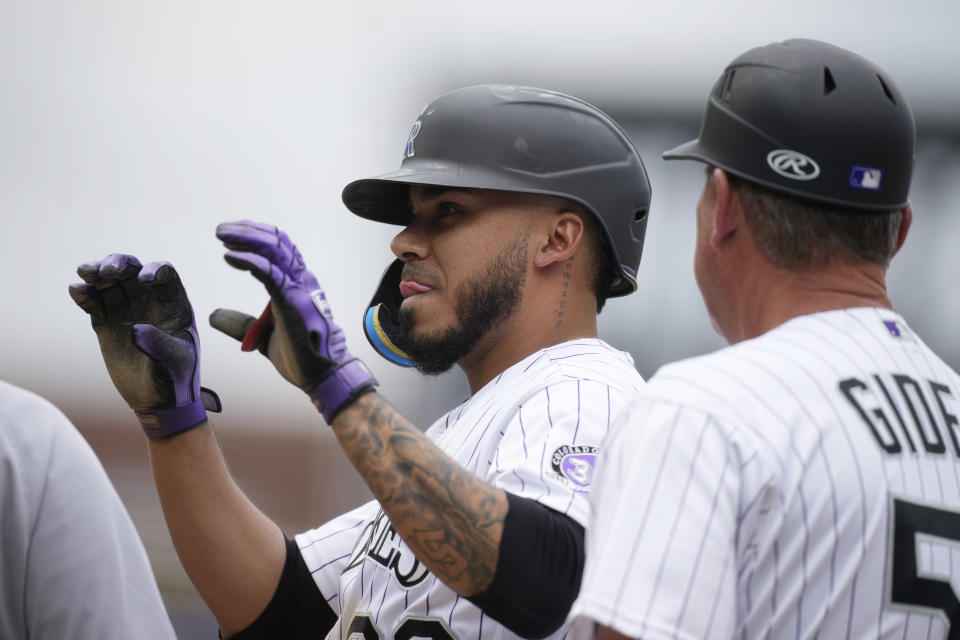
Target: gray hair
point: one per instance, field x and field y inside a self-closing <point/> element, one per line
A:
<point x="799" y="234"/>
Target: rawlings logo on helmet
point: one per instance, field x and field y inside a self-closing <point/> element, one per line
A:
<point x="793" y="164"/>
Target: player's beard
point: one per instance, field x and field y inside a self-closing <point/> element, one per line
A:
<point x="482" y="303"/>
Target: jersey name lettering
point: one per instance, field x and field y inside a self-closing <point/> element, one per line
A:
<point x="379" y="542"/>
<point x="917" y="426"/>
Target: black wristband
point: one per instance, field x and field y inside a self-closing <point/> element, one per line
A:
<point x="297" y="611"/>
<point x="539" y="568"/>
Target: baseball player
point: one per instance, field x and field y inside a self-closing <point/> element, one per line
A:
<point x="72" y="566"/>
<point x="522" y="211"/>
<point x="804" y="482"/>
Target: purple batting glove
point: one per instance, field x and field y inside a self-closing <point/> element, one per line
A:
<point x="148" y="338"/>
<point x="304" y="343"/>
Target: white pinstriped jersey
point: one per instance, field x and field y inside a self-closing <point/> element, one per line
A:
<point x="803" y="484"/>
<point x="533" y="431"/>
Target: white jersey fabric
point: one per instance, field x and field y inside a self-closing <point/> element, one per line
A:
<point x="533" y="431"/>
<point x="803" y="484"/>
<point x="71" y="563"/>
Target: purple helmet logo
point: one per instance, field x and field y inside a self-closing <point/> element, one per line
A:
<point x="865" y="178"/>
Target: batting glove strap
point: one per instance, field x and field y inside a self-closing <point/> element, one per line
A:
<point x="343" y="386"/>
<point x="165" y="423"/>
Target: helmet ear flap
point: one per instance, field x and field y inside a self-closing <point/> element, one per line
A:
<point x="381" y="320"/>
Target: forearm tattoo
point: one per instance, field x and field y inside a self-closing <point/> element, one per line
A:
<point x="452" y="520"/>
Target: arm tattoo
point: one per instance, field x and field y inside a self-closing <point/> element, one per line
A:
<point x="452" y="520"/>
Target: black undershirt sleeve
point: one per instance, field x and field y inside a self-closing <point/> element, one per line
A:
<point x="297" y="611"/>
<point x="538" y="570"/>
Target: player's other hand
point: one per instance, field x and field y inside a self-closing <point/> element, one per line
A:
<point x="296" y="331"/>
<point x="148" y="339"/>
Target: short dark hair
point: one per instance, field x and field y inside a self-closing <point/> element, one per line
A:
<point x="799" y="234"/>
<point x="603" y="269"/>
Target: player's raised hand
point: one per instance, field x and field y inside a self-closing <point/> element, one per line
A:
<point x="148" y="338"/>
<point x="296" y="331"/>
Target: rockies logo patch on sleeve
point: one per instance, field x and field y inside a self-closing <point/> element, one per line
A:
<point x="573" y="465"/>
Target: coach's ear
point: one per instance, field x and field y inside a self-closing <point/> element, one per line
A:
<point x="727" y="212"/>
<point x="559" y="238"/>
<point x="904" y="228"/>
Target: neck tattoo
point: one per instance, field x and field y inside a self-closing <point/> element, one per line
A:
<point x="567" y="275"/>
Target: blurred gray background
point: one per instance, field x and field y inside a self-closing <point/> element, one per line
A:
<point x="132" y="126"/>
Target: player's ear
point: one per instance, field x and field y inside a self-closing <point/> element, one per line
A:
<point x="562" y="236"/>
<point x="727" y="213"/>
<point x="904" y="228"/>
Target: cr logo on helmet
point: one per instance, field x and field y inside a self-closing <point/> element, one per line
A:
<point x="793" y="164"/>
<point x="408" y="150"/>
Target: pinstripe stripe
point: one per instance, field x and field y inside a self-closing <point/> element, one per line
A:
<point x="338" y="532"/>
<point x="326" y="564"/>
<point x="433" y="586"/>
<point x="535" y="361"/>
<point x="383" y="598"/>
<point x="703" y="538"/>
<point x="609" y="411"/>
<point x="727" y="563"/>
<point x="479" y="441"/>
<point x="576" y="429"/>
<point x="676" y="519"/>
<point x="543" y="452"/>
<point x="450" y="617"/>
<point x="776" y="585"/>
<point x="646" y="514"/>
<point x="369" y="597"/>
<point x="522" y="430"/>
<point x="349" y="583"/>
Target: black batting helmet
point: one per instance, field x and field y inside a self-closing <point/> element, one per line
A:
<point x="511" y="139"/>
<point x="526" y="140"/>
<point x="812" y="120"/>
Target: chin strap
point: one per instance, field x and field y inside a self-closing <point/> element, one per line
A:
<point x="380" y="322"/>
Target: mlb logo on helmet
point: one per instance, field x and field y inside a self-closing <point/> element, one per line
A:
<point x="865" y="178"/>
